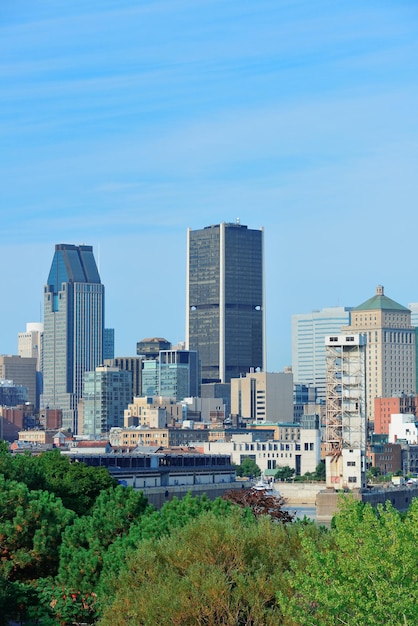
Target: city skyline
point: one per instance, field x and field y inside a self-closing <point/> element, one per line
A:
<point x="124" y="125"/>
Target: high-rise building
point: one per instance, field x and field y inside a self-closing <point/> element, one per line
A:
<point x="108" y="343"/>
<point x="390" y="351"/>
<point x="30" y="345"/>
<point x="173" y="374"/>
<point x="225" y="300"/>
<point x="308" y="344"/>
<point x="179" y="374"/>
<point x="73" y="328"/>
<point x="107" y="392"/>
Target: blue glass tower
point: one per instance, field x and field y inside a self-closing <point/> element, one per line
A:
<point x="73" y="328"/>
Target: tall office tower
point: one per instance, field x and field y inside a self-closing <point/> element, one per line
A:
<point x="107" y="392"/>
<point x="73" y="328"/>
<point x="390" y="351"/>
<point x="225" y="300"/>
<point x="308" y="344"/>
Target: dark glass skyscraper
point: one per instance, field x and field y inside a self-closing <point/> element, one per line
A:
<point x="73" y="328"/>
<point x="225" y="309"/>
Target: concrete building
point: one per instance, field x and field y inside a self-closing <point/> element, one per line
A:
<point x="207" y="410"/>
<point x="225" y="300"/>
<point x="302" y="454"/>
<point x="165" y="437"/>
<point x="263" y="397"/>
<point x="308" y="344"/>
<point x="385" y="407"/>
<point x="220" y="392"/>
<point x="141" y="406"/>
<point x="345" y="437"/>
<point x="107" y="392"/>
<point x="22" y="371"/>
<point x="73" y="328"/>
<point x="149" y="348"/>
<point x="403" y="427"/>
<point x="391" y="353"/>
<point x="29" y="343"/>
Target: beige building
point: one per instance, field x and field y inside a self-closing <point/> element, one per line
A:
<point x="37" y="436"/>
<point x="262" y="397"/>
<point x="29" y="343"/>
<point x="390" y="350"/>
<point x="164" y="437"/>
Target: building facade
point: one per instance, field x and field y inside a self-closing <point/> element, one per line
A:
<point x="179" y="374"/>
<point x="107" y="392"/>
<point x="308" y="344"/>
<point x="22" y="371"/>
<point x="29" y="343"/>
<point x="391" y="352"/>
<point x="131" y="364"/>
<point x="385" y="407"/>
<point x="262" y="397"/>
<point x="225" y="300"/>
<point x="73" y="328"/>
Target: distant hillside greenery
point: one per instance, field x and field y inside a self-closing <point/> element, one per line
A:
<point x="77" y="548"/>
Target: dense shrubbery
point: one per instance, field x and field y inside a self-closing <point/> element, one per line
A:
<point x="119" y="561"/>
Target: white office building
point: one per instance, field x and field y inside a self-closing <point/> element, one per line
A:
<point x="308" y="344"/>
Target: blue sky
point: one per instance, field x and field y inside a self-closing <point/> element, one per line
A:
<point x="124" y="123"/>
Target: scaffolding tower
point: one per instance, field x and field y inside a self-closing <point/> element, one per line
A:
<point x="345" y="433"/>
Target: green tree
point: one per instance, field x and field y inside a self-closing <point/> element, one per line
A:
<point x="86" y="541"/>
<point x="248" y="468"/>
<point x="214" y="570"/>
<point x="284" y="473"/>
<point x="362" y="572"/>
<point x="75" y="483"/>
<point x="31" y="525"/>
<point x="153" y="525"/>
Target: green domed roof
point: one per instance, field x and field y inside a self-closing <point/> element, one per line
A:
<point x="380" y="302"/>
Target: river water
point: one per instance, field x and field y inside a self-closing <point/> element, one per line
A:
<point x="301" y="511"/>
